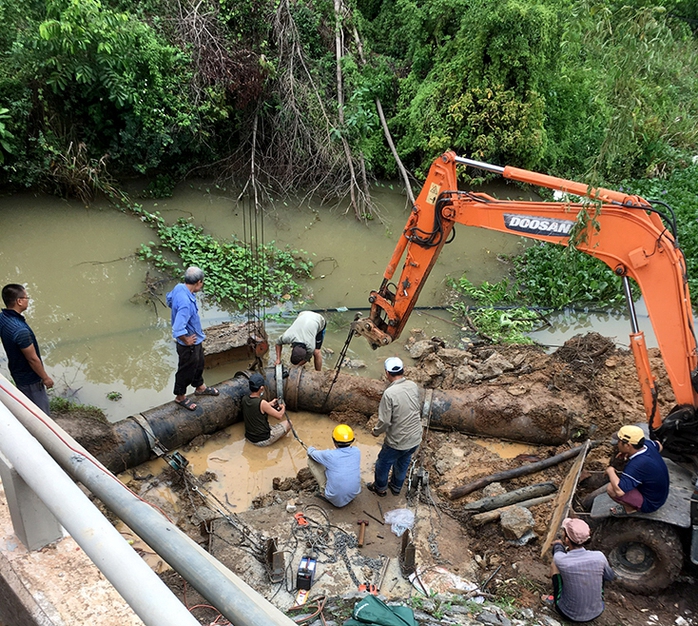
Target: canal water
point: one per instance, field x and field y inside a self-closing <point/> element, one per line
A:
<point x="98" y="339"/>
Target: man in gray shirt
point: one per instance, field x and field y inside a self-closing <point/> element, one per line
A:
<point x="399" y="418"/>
<point x="305" y="336"/>
<point x="578" y="574"/>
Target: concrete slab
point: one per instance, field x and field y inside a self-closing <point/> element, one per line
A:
<point x="55" y="586"/>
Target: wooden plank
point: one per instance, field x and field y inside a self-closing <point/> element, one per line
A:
<point x="563" y="500"/>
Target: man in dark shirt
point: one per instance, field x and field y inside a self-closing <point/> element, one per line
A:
<point x="23" y="355"/>
<point x="644" y="484"/>
<point x="255" y="412"/>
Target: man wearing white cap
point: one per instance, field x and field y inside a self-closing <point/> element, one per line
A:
<point x="399" y="418"/>
<point x="578" y="574"/>
<point x="644" y="483"/>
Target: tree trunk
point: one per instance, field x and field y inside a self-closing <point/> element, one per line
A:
<point x="386" y="130"/>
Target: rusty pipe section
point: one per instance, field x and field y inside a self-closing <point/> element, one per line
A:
<point x="170" y="426"/>
<point x="535" y="417"/>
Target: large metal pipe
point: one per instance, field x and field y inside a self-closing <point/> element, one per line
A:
<point x="236" y="600"/>
<point x="536" y="416"/>
<point x="172" y="426"/>
<point x="147" y="595"/>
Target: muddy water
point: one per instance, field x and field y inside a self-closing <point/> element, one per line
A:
<point x="81" y="273"/>
<point x="244" y="470"/>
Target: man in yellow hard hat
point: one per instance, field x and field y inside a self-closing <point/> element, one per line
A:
<point x="337" y="471"/>
<point x="644" y="484"/>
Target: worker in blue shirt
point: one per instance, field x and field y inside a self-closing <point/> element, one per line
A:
<point x="187" y="332"/>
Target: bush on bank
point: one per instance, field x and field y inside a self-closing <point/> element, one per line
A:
<point x="600" y="91"/>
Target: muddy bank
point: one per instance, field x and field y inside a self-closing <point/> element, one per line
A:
<point x="589" y="370"/>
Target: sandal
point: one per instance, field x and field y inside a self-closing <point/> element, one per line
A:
<point x="209" y="391"/>
<point x="378" y="492"/>
<point x="187" y="404"/>
<point x="547" y="600"/>
<point x="618" y="510"/>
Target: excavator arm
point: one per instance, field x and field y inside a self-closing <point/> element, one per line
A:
<point x="624" y="231"/>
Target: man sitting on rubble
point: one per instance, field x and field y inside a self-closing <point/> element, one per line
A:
<point x="337" y="471"/>
<point x="644" y="484"/>
<point x="255" y="411"/>
<point x="577" y="574"/>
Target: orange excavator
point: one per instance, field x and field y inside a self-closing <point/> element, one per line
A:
<point x="626" y="232"/>
<point x="637" y="239"/>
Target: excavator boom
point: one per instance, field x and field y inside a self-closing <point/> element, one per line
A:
<point x="624" y="231"/>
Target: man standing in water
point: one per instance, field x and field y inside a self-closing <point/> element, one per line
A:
<point x="305" y="336"/>
<point x="23" y="355"/>
<point x="187" y="332"/>
<point x="399" y="418"/>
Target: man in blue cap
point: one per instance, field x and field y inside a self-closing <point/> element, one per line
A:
<point x="399" y="414"/>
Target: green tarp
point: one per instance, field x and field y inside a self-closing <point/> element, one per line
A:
<point x="373" y="612"/>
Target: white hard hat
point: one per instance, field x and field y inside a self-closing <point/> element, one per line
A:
<point x="393" y="365"/>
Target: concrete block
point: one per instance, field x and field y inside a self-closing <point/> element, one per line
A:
<point x="33" y="523"/>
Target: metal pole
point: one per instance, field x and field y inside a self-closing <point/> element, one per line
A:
<point x="149" y="597"/>
<point x="234" y="598"/>
<point x="480" y="165"/>
<point x="631" y="305"/>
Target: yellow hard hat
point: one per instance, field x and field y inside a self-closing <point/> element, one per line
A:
<point x="343" y="434"/>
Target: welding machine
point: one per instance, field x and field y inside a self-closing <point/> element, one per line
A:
<point x="306" y="572"/>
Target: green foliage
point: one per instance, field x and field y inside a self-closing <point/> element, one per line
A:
<point x="600" y="89"/>
<point x="487" y="293"/>
<point x="233" y="271"/>
<point x="161" y="186"/>
<point x="63" y="406"/>
<point x="508" y="326"/>
<point x="550" y="275"/>
<point x="91" y="53"/>
<point x="636" y="66"/>
<point x="480" y="95"/>
<point x="114" y="396"/>
<point x="497" y="325"/>
<point x="680" y="191"/>
<point x="6" y="136"/>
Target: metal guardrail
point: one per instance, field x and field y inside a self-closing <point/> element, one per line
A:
<point x="229" y="594"/>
